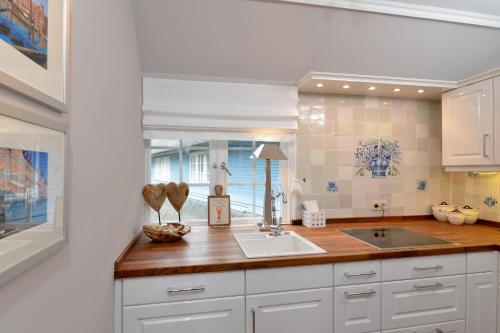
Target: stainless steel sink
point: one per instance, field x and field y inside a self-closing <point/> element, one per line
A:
<point x="393" y="238"/>
<point x="261" y="245"/>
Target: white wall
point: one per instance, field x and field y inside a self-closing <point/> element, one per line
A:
<point x="72" y="291"/>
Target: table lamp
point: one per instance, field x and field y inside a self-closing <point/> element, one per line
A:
<point x="268" y="152"/>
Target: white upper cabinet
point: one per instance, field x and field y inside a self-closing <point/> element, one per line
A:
<point x="468" y="126"/>
<point x="496" y="108"/>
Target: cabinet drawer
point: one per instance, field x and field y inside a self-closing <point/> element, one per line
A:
<point x="174" y="288"/>
<point x="422" y="267"/>
<point x="423" y="301"/>
<point x="479" y="262"/>
<point x="356" y="272"/>
<point x="357" y="308"/>
<point x="225" y="315"/>
<point x="450" y="327"/>
<point x="288" y="278"/>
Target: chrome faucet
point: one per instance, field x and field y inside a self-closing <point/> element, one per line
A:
<point x="276" y="226"/>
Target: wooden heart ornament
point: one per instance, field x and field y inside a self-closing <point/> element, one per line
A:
<point x="155" y="195"/>
<point x="177" y="194"/>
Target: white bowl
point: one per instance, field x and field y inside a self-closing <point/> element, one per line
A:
<point x="441" y="211"/>
<point x="471" y="214"/>
<point x="456" y="218"/>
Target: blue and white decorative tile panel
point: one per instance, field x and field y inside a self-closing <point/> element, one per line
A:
<point x="332" y="186"/>
<point x="490" y="201"/>
<point x="422" y="185"/>
<point x="378" y="157"/>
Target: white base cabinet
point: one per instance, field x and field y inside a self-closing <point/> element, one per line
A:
<point x="422" y="301"/>
<point x="225" y="315"/>
<point x="357" y="308"/>
<point x="481" y="302"/>
<point x="291" y="312"/>
<point x="455" y="293"/>
<point x="450" y="327"/>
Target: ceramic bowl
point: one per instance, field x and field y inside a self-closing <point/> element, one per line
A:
<point x="471" y="214"/>
<point x="440" y="211"/>
<point x="456" y="218"/>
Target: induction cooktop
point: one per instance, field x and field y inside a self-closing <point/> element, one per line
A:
<point x="393" y="238"/>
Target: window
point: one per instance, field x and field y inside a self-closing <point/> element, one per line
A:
<point x="198" y="167"/>
<point x="247" y="184"/>
<point x="198" y="164"/>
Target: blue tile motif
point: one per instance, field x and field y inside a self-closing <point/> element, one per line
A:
<point x="490" y="201"/>
<point x="422" y="185"/>
<point x="378" y="157"/>
<point x="332" y="186"/>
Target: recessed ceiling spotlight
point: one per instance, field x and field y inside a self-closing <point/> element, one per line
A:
<point x="372" y="88"/>
<point x="396" y="89"/>
<point x="346" y="86"/>
<point x="420" y="91"/>
<point x="319" y="85"/>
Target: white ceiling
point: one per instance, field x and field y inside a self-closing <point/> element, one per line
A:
<point x="273" y="41"/>
<point x="490" y="7"/>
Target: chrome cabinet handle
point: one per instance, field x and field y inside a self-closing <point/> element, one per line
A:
<point x="437" y="330"/>
<point x="485" y="154"/>
<point x="360" y="274"/>
<point x="253" y="318"/>
<point x="349" y="294"/>
<point x="437" y="267"/>
<point x="428" y="286"/>
<point x="186" y="290"/>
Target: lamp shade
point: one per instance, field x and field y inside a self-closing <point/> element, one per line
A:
<point x="269" y="151"/>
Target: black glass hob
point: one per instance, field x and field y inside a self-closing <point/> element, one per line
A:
<point x="392" y="238"/>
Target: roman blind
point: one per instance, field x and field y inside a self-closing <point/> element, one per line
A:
<point x="220" y="109"/>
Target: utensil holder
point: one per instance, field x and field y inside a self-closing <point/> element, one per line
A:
<point x="313" y="219"/>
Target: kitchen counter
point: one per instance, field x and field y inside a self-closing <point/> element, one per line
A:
<point x="212" y="249"/>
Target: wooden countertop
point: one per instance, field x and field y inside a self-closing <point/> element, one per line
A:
<point x="212" y="249"/>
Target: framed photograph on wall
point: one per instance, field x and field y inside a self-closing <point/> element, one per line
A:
<point x="219" y="210"/>
<point x="32" y="193"/>
<point x="34" y="38"/>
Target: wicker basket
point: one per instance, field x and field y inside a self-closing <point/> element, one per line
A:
<point x="169" y="232"/>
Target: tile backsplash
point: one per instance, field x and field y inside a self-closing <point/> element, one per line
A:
<point x="352" y="150"/>
<point x="478" y="191"/>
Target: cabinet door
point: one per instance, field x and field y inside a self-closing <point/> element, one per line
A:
<point x="496" y="107"/>
<point x="422" y="301"/>
<point x="481" y="303"/>
<point x="223" y="315"/>
<point x="357" y="308"/>
<point x="467" y="122"/>
<point x="291" y="312"/>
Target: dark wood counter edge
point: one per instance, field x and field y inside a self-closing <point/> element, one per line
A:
<point x="123" y="254"/>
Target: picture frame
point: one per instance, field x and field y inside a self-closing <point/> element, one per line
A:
<point x="34" y="43"/>
<point x="219" y="210"/>
<point x="33" y="189"/>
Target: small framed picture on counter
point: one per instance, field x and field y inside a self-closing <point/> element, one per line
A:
<point x="219" y="208"/>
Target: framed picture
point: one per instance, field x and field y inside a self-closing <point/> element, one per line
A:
<point x="219" y="210"/>
<point x="34" y="38"/>
<point x="32" y="193"/>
